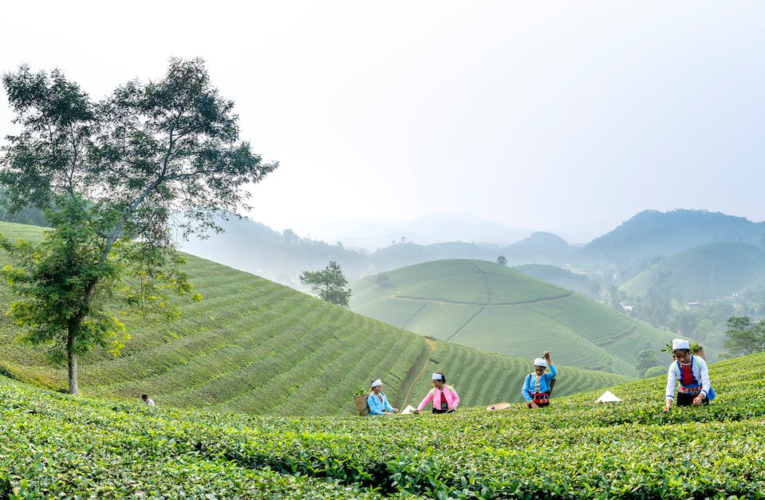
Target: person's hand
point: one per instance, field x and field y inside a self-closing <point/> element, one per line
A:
<point x="547" y="356"/>
<point x="667" y="406"/>
<point x="534" y="405"/>
<point x="395" y="410"/>
<point x="697" y="400"/>
<point x="416" y="412"/>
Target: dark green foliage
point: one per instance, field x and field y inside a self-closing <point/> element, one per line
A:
<point x="502" y="260"/>
<point x="646" y="359"/>
<point x="744" y="337"/>
<point x="109" y="174"/>
<point x="328" y="284"/>
<point x="655" y="371"/>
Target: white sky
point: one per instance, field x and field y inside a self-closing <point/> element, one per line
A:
<point x="549" y="115"/>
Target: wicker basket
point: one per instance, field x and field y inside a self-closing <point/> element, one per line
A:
<point x="361" y="405"/>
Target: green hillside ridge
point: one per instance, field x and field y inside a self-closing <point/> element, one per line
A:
<point x="258" y="347"/>
<point x="54" y="445"/>
<point x="495" y="308"/>
<point x="563" y="278"/>
<point x="705" y="271"/>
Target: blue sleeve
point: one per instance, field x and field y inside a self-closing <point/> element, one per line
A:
<point x="388" y="407"/>
<point x="525" y="391"/>
<point x="375" y="407"/>
<point x="553" y="371"/>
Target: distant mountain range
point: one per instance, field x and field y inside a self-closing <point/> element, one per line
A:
<point x="645" y="239"/>
<point x="374" y="234"/>
<point x="651" y="233"/>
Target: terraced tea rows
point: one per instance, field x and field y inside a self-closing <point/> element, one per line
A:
<point x="54" y="445"/>
<point x="257" y="347"/>
<point x="494" y="308"/>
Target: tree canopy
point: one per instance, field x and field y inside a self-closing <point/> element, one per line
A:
<point x="115" y="178"/>
<point x="328" y="284"/>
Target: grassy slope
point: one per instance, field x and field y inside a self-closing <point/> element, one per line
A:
<point x="258" y="347"/>
<point x="54" y="444"/>
<point x="498" y="309"/>
<point x="711" y="270"/>
<point x="558" y="276"/>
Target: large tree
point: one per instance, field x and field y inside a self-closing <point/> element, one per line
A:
<point x="328" y="284"/>
<point x="112" y="176"/>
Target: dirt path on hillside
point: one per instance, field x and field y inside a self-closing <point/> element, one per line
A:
<point x="417" y="378"/>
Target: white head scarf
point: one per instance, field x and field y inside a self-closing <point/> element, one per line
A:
<point x="438" y="376"/>
<point x="540" y="362"/>
<point x="376" y="383"/>
<point x="680" y="344"/>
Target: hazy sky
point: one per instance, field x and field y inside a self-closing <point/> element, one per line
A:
<point x="549" y="115"/>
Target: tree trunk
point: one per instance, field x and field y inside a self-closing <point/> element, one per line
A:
<point x="72" y="359"/>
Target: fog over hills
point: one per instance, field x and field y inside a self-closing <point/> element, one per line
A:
<point x="644" y="239"/>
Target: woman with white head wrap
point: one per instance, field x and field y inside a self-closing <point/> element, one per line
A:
<point x="443" y="397"/>
<point x="378" y="402"/>
<point x="692" y="373"/>
<point x="538" y="385"/>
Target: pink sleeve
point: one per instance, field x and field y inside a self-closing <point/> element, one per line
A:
<point x="427" y="400"/>
<point x="456" y="399"/>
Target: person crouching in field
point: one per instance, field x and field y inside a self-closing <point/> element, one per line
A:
<point x="692" y="373"/>
<point x="444" y="397"/>
<point x="538" y="385"/>
<point x="378" y="403"/>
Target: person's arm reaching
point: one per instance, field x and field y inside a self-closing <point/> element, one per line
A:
<point x="705" y="382"/>
<point x="455" y="399"/>
<point x="388" y="407"/>
<point x="425" y="401"/>
<point x="670" y="392"/>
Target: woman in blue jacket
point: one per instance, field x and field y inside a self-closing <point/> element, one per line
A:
<point x="378" y="403"/>
<point x="538" y="385"/>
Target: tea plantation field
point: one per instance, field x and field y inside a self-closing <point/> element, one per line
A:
<point x="55" y="445"/>
<point x="499" y="309"/>
<point x="257" y="347"/>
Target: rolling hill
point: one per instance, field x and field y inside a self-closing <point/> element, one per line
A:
<point x="563" y="278"/>
<point x="56" y="446"/>
<point x="652" y="233"/>
<point x="707" y="271"/>
<point x="257" y="347"/>
<point x="494" y="308"/>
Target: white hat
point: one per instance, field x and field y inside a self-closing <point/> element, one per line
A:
<point x="680" y="344"/>
<point x="376" y="383"/>
<point x="540" y="362"/>
<point x="438" y="376"/>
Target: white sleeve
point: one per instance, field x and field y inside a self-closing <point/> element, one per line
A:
<point x="704" y="372"/>
<point x="671" y="380"/>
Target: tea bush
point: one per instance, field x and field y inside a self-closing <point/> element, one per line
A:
<point x="55" y="445"/>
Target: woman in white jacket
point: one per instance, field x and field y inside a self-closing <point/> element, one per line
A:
<point x="692" y="373"/>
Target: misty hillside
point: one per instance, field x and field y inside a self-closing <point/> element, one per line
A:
<point x="708" y="271"/>
<point x="651" y="233"/>
<point x="563" y="278"/>
<point x="279" y="256"/>
<point x="427" y="230"/>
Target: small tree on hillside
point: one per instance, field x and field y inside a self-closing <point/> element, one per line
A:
<point x="110" y="175"/>
<point x="646" y="359"/>
<point x="744" y="337"/>
<point x="328" y="284"/>
<point x="502" y="260"/>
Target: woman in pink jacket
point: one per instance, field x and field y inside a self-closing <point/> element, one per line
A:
<point x="444" y="397"/>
